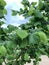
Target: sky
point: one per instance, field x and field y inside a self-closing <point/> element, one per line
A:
<point x="15" y="5"/>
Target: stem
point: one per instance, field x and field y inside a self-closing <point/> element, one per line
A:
<point x="36" y="62"/>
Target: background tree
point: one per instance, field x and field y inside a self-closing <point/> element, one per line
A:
<point x="19" y="45"/>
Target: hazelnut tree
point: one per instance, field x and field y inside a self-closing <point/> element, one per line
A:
<point x="19" y="45"/>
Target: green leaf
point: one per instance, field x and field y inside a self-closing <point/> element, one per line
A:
<point x="10" y="44"/>
<point x="26" y="57"/>
<point x="1" y="60"/>
<point x="48" y="27"/>
<point x="33" y="3"/>
<point x="33" y="39"/>
<point x="2" y="2"/>
<point x="38" y="14"/>
<point x="37" y="23"/>
<point x="2" y="51"/>
<point x="1" y="14"/>
<point x="42" y="35"/>
<point x="2" y="22"/>
<point x="24" y="43"/>
<point x="5" y="11"/>
<point x="31" y="10"/>
<point x="17" y="53"/>
<point x="12" y="36"/>
<point x="40" y="5"/>
<point x="10" y="57"/>
<point x="5" y="30"/>
<point x="14" y="12"/>
<point x="25" y="2"/>
<point x="21" y="33"/>
<point x="11" y="28"/>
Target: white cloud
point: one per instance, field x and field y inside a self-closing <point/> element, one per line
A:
<point x="15" y="20"/>
<point x="11" y="1"/>
<point x="14" y="4"/>
<point x="4" y="26"/>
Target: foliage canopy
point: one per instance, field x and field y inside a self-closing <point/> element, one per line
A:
<point x="18" y="46"/>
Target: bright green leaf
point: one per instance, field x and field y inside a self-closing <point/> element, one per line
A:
<point x="21" y="33"/>
<point x="26" y="57"/>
